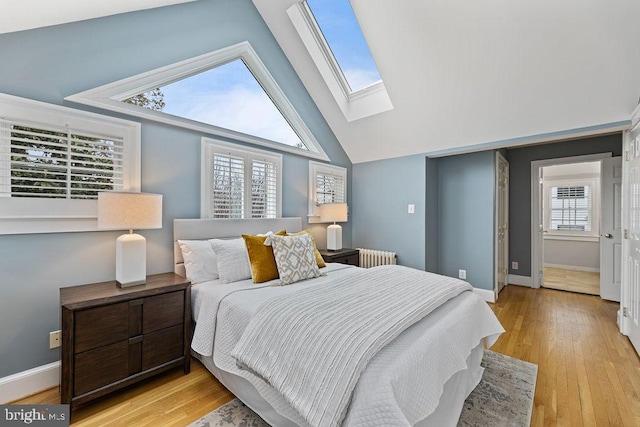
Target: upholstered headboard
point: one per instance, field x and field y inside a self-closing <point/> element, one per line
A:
<point x="204" y="229"/>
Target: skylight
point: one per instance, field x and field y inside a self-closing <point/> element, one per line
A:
<point x="341" y="31"/>
<point x="227" y="96"/>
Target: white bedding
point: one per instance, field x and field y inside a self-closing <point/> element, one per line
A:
<point x="399" y="384"/>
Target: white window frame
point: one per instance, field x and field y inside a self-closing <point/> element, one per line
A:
<point x="316" y="168"/>
<point x="209" y="147"/>
<point x="365" y="102"/>
<point x="25" y="215"/>
<point x="110" y="97"/>
<point x="592" y="235"/>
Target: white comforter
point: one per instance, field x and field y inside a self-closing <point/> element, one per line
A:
<point x="407" y="386"/>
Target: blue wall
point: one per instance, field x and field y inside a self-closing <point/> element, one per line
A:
<point x="381" y="192"/>
<point x="50" y="63"/>
<point x="466" y="217"/>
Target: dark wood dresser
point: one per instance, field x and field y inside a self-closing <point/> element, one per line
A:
<point x="113" y="337"/>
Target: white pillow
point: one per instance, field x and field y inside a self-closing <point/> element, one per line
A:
<point x="295" y="258"/>
<point x="233" y="259"/>
<point x="199" y="260"/>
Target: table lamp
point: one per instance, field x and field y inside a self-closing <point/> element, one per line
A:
<point x="333" y="212"/>
<point x="129" y="211"/>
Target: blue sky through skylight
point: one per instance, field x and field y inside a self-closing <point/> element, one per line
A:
<point x="229" y="96"/>
<point x="343" y="34"/>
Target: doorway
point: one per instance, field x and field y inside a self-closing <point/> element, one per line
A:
<point x="565" y="231"/>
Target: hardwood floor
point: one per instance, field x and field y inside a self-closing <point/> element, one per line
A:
<point x="588" y="374"/>
<point x="585" y="282"/>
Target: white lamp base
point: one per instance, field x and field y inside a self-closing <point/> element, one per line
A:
<point x="131" y="260"/>
<point x="334" y="237"/>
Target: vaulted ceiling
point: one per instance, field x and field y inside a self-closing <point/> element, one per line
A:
<point x="460" y="73"/>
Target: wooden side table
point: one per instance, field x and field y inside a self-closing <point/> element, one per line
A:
<point x="113" y="337"/>
<point x="343" y="256"/>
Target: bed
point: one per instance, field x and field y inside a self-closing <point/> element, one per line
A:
<point x="420" y="375"/>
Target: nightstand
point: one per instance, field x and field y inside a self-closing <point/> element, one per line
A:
<point x="113" y="337"/>
<point x="343" y="256"/>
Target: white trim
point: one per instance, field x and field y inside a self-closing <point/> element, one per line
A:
<point x="362" y="103"/>
<point x="520" y="280"/>
<point x="110" y="97"/>
<point x="536" y="250"/>
<point x="573" y="267"/>
<point x="485" y="294"/>
<point x="571" y="238"/>
<point x="314" y="169"/>
<point x="26" y="383"/>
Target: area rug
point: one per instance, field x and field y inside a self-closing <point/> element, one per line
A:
<point x="504" y="397"/>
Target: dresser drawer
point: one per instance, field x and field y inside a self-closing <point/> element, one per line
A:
<point x="101" y="366"/>
<point x="101" y="326"/>
<point x="162" y="346"/>
<point x="162" y="311"/>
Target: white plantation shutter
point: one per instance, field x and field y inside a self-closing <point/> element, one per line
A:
<point x="228" y="187"/>
<point x="239" y="182"/>
<point x="571" y="208"/>
<point x="47" y="162"/>
<point x="330" y="188"/>
<point x="264" y="189"/>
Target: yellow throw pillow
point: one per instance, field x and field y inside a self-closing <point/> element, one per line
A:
<point x="319" y="259"/>
<point x="263" y="264"/>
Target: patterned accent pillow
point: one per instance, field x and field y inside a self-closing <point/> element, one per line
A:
<point x="295" y="258"/>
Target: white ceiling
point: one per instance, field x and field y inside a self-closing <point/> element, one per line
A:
<point x="459" y="72"/>
<point x="27" y="14"/>
<point x="463" y="72"/>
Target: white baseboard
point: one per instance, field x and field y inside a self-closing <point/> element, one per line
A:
<point x="520" y="280"/>
<point x="485" y="294"/>
<point x="573" y="267"/>
<point x="29" y="382"/>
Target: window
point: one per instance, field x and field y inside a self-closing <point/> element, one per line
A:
<point x="339" y="27"/>
<point x="327" y="184"/>
<point x="355" y="83"/>
<point x="228" y="93"/>
<point x="239" y="182"/>
<point x="55" y="160"/>
<point x="571" y="208"/>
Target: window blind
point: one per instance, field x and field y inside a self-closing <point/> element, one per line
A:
<point x="571" y="208"/>
<point x="228" y="187"/>
<point x="264" y="189"/>
<point x="329" y="188"/>
<point x="46" y="162"/>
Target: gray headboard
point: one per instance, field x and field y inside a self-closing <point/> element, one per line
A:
<point x="204" y="229"/>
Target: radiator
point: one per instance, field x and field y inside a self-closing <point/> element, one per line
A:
<point x="372" y="257"/>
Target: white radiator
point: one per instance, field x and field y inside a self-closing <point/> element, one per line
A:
<point x="372" y="257"/>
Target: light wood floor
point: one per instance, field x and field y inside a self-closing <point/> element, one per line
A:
<point x="588" y="374"/>
<point x="585" y="282"/>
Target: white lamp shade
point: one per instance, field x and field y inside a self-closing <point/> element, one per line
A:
<point x="333" y="212"/>
<point x="129" y="211"/>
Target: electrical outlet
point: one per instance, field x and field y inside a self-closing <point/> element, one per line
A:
<point x="411" y="208"/>
<point x="514" y="265"/>
<point x="462" y="274"/>
<point x="55" y="339"/>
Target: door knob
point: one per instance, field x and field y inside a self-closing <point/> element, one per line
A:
<point x="608" y="236"/>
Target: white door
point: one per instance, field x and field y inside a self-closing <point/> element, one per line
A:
<point x="502" y="222"/>
<point x="631" y="309"/>
<point x="611" y="229"/>
<point x="541" y="230"/>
